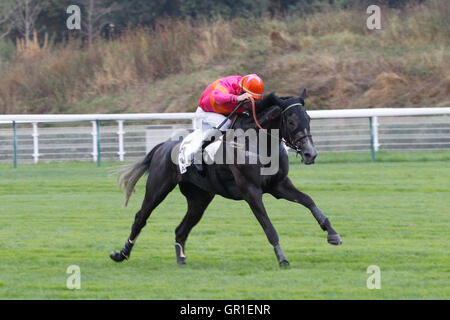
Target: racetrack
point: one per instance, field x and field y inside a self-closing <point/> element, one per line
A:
<point x="393" y="214"/>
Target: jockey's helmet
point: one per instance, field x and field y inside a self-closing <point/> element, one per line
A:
<point x="252" y="84"/>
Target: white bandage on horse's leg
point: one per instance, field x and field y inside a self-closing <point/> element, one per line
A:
<point x="181" y="250"/>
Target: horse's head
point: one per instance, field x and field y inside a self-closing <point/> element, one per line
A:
<point x="288" y="115"/>
<point x="295" y="128"/>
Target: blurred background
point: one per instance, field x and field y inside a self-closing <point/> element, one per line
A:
<point x="158" y="56"/>
<point x="382" y="175"/>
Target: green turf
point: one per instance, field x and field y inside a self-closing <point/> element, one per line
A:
<point x="393" y="214"/>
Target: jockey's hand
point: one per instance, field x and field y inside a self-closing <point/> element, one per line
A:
<point x="243" y="97"/>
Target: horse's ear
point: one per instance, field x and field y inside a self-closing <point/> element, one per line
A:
<point x="303" y="95"/>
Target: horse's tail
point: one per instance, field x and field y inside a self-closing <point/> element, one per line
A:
<point x="129" y="176"/>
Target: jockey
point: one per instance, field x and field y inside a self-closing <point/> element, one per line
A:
<point x="220" y="98"/>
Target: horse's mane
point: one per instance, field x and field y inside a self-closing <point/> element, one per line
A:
<point x="264" y="108"/>
<point x="268" y="101"/>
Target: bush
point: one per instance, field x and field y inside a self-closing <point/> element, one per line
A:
<point x="330" y="52"/>
<point x="7" y="52"/>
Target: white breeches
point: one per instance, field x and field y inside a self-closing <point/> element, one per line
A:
<point x="207" y="120"/>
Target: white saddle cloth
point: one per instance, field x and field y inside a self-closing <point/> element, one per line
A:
<point x="192" y="144"/>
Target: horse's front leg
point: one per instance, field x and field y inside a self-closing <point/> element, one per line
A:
<point x="253" y="196"/>
<point x="285" y="189"/>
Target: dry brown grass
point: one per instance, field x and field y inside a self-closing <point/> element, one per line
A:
<point x="343" y="64"/>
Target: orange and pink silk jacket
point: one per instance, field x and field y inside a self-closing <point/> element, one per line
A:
<point x="221" y="96"/>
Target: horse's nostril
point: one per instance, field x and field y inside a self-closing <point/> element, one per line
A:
<point x="310" y="157"/>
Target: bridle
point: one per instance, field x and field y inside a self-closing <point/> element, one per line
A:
<point x="286" y="136"/>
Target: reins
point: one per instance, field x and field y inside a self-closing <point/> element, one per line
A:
<point x="254" y="112"/>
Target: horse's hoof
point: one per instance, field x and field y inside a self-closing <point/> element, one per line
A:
<point x="284" y="264"/>
<point x="334" y="239"/>
<point x="117" y="256"/>
<point x="181" y="261"/>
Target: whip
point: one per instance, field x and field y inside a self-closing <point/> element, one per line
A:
<point x="230" y="115"/>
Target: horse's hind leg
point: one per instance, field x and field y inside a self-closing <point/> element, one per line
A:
<point x="286" y="190"/>
<point x="158" y="187"/>
<point x="198" y="200"/>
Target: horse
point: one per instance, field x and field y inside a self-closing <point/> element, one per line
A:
<point x="285" y="115"/>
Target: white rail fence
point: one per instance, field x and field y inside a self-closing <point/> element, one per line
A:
<point x="34" y="138"/>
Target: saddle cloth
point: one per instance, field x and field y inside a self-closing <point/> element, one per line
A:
<point x="190" y="150"/>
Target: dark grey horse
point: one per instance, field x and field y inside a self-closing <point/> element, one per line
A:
<point x="233" y="181"/>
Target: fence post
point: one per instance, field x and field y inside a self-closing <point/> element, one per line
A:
<point x="373" y="136"/>
<point x="120" y="133"/>
<point x="94" y="141"/>
<point x="15" y="144"/>
<point x="35" y="142"/>
<point x="376" y="142"/>
<point x="99" y="158"/>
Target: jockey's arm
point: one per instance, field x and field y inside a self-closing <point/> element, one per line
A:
<point x="221" y="97"/>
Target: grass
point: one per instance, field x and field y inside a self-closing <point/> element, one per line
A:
<point x="165" y="69"/>
<point x="393" y="214"/>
